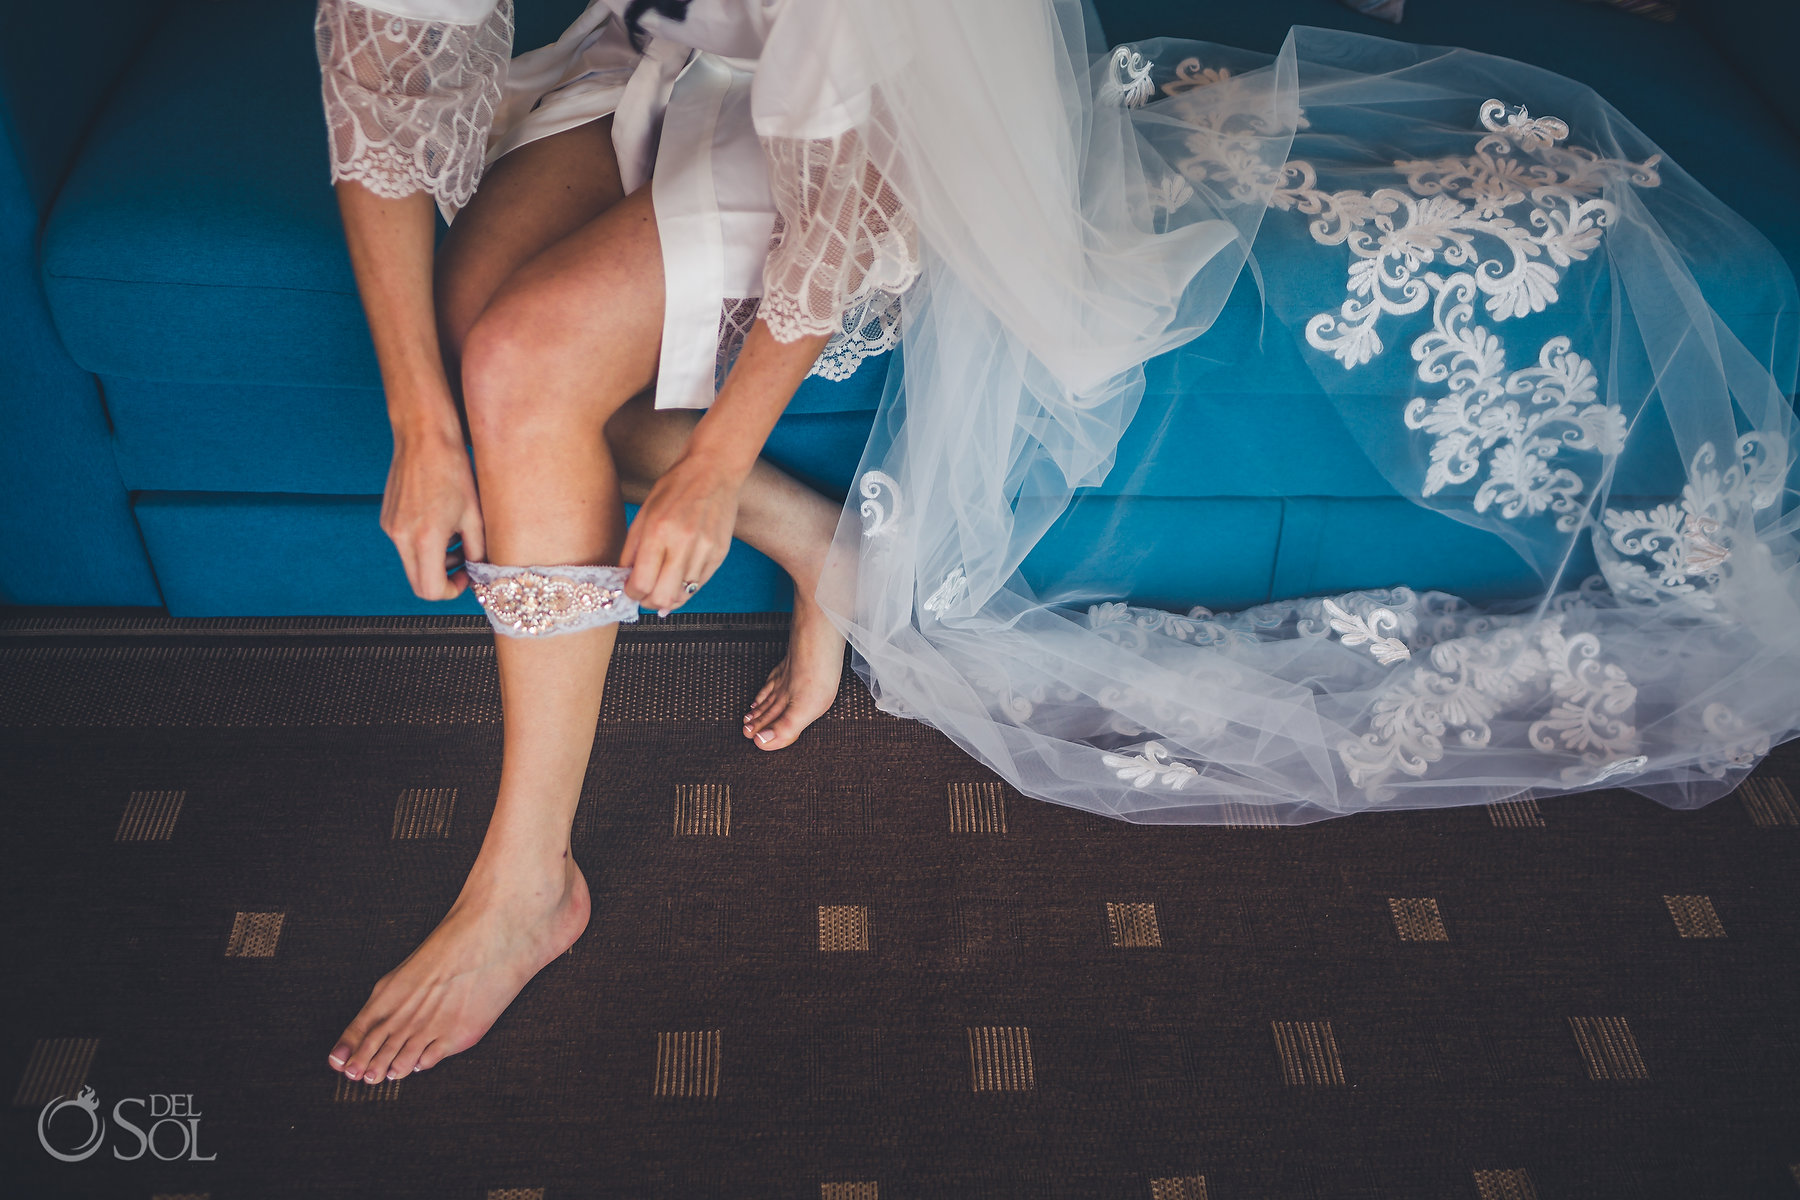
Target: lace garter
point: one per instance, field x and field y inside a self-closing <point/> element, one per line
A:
<point x="540" y="601"/>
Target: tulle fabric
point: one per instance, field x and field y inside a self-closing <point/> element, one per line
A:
<point x="1542" y="328"/>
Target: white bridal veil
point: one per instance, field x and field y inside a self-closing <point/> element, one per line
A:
<point x="1528" y="318"/>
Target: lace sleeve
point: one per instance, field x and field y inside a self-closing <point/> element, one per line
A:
<point x="409" y="100"/>
<point x="844" y="234"/>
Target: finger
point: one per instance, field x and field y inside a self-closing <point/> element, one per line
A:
<point x="671" y="587"/>
<point x="644" y="571"/>
<point x="426" y="549"/>
<point x="678" y="571"/>
<point x="404" y="549"/>
<point x="474" y="535"/>
<point x="456" y="558"/>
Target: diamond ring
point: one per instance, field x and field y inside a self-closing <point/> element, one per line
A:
<point x="690" y="587"/>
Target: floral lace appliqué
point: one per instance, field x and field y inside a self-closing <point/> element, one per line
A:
<point x="1682" y="549"/>
<point x="1509" y="220"/>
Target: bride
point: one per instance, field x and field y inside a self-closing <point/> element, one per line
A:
<point x="687" y="206"/>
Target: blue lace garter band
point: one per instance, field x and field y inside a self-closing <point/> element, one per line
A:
<point x="540" y="601"/>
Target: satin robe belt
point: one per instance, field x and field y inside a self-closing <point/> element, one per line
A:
<point x="715" y="215"/>
<point x="637" y="124"/>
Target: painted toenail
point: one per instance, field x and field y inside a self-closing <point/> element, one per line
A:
<point x="764" y="736"/>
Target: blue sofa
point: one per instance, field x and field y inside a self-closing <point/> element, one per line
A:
<point x="190" y="415"/>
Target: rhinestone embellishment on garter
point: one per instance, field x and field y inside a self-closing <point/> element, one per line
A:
<point x="532" y="601"/>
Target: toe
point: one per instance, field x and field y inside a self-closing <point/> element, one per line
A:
<point x="407" y="1060"/>
<point x="362" y="1059"/>
<point x="433" y="1054"/>
<point x="790" y="723"/>
<point x="760" y="726"/>
<point x="343" y="1055"/>
<point x="783" y="730"/>
<point x="383" y="1058"/>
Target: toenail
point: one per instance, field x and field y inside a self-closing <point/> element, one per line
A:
<point x="765" y="736"/>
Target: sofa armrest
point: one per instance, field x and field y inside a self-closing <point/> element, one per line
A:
<point x="65" y="517"/>
<point x="58" y="63"/>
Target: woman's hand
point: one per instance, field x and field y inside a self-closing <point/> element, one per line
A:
<point x="430" y="495"/>
<point x="682" y="532"/>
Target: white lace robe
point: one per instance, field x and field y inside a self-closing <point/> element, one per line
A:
<point x="740" y="117"/>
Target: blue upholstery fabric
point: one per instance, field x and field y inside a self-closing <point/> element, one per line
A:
<point x="235" y="437"/>
<point x="64" y="517"/>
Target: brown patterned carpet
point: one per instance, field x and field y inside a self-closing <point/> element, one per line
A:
<point x="859" y="969"/>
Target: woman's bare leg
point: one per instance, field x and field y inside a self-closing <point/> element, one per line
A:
<point x="529" y="199"/>
<point x="566" y="340"/>
<point x="786" y="520"/>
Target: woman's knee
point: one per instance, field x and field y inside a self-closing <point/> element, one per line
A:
<point x="498" y="357"/>
<point x="523" y="380"/>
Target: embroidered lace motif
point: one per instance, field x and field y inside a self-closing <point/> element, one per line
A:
<point x="537" y="601"/>
<point x="845" y="235"/>
<point x="409" y="102"/>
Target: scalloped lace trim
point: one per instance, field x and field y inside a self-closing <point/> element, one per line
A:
<point x="845" y="235"/>
<point x="409" y="102"/>
<point x="867" y="328"/>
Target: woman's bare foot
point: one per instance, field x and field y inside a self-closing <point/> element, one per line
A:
<point x="446" y="994"/>
<point x="803" y="684"/>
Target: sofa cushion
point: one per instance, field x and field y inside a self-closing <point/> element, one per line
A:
<point x="237" y="437"/>
<point x="198" y="239"/>
<point x="273" y="555"/>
